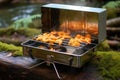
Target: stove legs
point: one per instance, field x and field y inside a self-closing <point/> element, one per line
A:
<point x="48" y="62"/>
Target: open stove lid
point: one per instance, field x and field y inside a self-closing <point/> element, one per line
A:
<point x="75" y="18"/>
<point x="73" y="7"/>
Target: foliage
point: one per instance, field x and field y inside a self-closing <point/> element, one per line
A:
<point x="10" y="40"/>
<point x="15" y="50"/>
<point x="28" y="32"/>
<point x="112" y="8"/>
<point x="112" y="4"/>
<point x="104" y="46"/>
<point x="32" y="21"/>
<point x="11" y="35"/>
<point x="108" y="64"/>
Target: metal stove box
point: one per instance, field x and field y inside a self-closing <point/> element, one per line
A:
<point x="76" y="19"/>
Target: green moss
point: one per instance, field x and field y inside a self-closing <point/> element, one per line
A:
<point x="108" y="64"/>
<point x="28" y="32"/>
<point x="104" y="46"/>
<point x="6" y="31"/>
<point x="112" y="8"/>
<point x="6" y="34"/>
<point x="12" y="41"/>
<point x="16" y="50"/>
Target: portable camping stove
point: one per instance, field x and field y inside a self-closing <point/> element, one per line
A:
<point x="69" y="35"/>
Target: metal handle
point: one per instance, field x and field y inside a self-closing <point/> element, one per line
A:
<point x="70" y="61"/>
<point x="30" y="53"/>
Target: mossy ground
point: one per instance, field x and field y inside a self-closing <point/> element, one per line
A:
<point x="28" y="32"/>
<point x="108" y="63"/>
<point x="15" y="50"/>
<point x="12" y="36"/>
<point x="16" y="36"/>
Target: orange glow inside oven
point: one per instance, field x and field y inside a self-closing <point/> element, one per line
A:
<point x="59" y="36"/>
<point x="78" y="26"/>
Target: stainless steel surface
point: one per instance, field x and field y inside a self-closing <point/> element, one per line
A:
<point x="102" y="26"/>
<point x="76" y="19"/>
<point x="75" y="8"/>
<point x="75" y="59"/>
